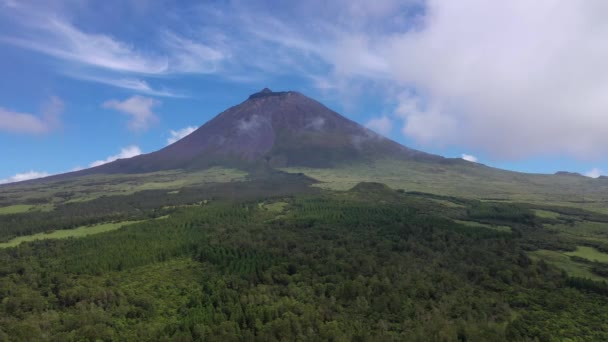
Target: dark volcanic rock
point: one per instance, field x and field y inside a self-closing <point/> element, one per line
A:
<point x="276" y="129"/>
<point x="567" y="173"/>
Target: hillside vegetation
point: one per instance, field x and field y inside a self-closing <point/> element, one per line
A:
<point x="465" y="179"/>
<point x="275" y="260"/>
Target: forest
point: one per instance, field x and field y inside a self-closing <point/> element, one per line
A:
<point x="369" y="264"/>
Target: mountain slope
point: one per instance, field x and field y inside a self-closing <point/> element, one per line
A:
<point x="277" y="129"/>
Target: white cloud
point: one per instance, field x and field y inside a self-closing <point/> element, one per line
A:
<point x="469" y="157"/>
<point x="127" y="152"/>
<point x="594" y="173"/>
<point x="52" y="34"/>
<point x="135" y="84"/>
<point x="10" y="3"/>
<point x="21" y="122"/>
<point x="96" y="55"/>
<point x="139" y="108"/>
<point x="517" y="78"/>
<point x="56" y="37"/>
<point x="246" y="126"/>
<point x="15" y="122"/>
<point x="382" y="125"/>
<point x="24" y="176"/>
<point x="180" y="134"/>
<point x="190" y="56"/>
<point x="316" y="123"/>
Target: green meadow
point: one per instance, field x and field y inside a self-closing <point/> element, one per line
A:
<point x="67" y="233"/>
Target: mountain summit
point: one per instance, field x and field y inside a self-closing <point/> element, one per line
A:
<point x="278" y="129"/>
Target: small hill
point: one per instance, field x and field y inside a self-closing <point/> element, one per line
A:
<point x="372" y="188"/>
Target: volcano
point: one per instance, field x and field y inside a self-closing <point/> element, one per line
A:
<point x="275" y="129"/>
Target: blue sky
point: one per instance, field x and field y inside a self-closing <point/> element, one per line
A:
<point x="518" y="85"/>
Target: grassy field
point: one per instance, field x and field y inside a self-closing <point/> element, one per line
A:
<point x="563" y="261"/>
<point x="67" y="233"/>
<point x="589" y="253"/>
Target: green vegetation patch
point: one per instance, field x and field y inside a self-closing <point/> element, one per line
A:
<point x="67" y="233"/>
<point x="588" y="230"/>
<point x="546" y="214"/>
<point x="484" y="225"/>
<point x="447" y="203"/>
<point x="563" y="261"/>
<point x="275" y="207"/>
<point x="24" y="208"/>
<point x="16" y="209"/>
<point x="589" y="253"/>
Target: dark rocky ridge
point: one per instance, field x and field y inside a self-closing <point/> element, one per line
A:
<point x="276" y="129"/>
<point x="568" y="173"/>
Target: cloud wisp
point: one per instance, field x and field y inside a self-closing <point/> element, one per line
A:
<point x="594" y="173"/>
<point x="139" y="108"/>
<point x="126" y="152"/>
<point x="20" y="177"/>
<point x="469" y="158"/>
<point x="180" y="134"/>
<point x="129" y="83"/>
<point x="49" y="119"/>
<point x="98" y="56"/>
<point x="382" y="125"/>
<point x="58" y="38"/>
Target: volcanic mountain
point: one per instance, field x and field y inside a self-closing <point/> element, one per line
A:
<point x="277" y="129"/>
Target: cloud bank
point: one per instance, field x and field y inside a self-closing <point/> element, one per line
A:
<point x="515" y="79"/>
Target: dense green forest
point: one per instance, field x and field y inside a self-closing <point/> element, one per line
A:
<point x="370" y="264"/>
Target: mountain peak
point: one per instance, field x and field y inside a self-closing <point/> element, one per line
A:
<point x="266" y="92"/>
